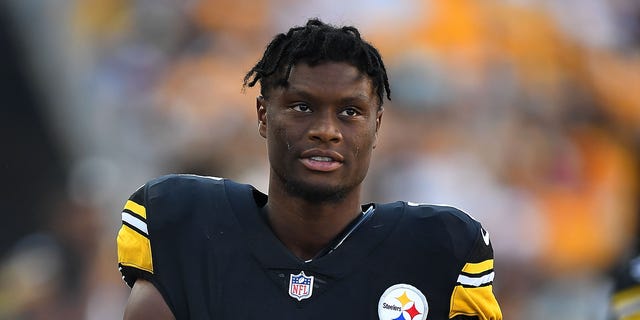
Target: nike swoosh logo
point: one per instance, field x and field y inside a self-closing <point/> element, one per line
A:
<point x="485" y="236"/>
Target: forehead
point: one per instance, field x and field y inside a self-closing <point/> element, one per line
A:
<point x="329" y="78"/>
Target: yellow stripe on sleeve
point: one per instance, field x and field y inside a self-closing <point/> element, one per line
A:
<point x="626" y="295"/>
<point x="626" y="304"/>
<point x="134" y="249"/>
<point x="136" y="208"/>
<point x="478" y="267"/>
<point x="478" y="301"/>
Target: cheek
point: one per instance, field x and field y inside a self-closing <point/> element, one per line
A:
<point x="364" y="144"/>
<point x="371" y="137"/>
<point x="279" y="140"/>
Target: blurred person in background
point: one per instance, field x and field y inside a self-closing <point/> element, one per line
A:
<point x="195" y="247"/>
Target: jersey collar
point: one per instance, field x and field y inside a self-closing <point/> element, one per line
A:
<point x="272" y="253"/>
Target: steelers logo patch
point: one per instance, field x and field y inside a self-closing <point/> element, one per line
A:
<point x="403" y="302"/>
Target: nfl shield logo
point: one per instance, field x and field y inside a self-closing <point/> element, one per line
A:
<point x="300" y="286"/>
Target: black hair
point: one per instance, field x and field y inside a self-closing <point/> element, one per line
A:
<point x="316" y="43"/>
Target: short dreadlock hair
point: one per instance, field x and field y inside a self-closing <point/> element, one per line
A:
<point x="316" y="43"/>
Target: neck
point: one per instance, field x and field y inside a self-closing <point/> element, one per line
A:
<point x="305" y="227"/>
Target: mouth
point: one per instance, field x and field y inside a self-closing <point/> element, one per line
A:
<point x="322" y="161"/>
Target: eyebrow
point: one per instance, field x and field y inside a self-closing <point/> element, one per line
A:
<point x="358" y="97"/>
<point x="295" y="91"/>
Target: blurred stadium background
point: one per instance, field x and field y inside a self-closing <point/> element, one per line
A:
<point x="525" y="113"/>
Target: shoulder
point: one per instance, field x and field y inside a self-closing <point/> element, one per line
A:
<point x="181" y="188"/>
<point x="447" y="213"/>
<point x="452" y="219"/>
<point x="172" y="183"/>
<point x="173" y="198"/>
<point x="163" y="210"/>
<point x="176" y="197"/>
<point x="453" y="228"/>
<point x="463" y="236"/>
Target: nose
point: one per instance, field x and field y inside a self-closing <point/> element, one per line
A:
<point x="325" y="128"/>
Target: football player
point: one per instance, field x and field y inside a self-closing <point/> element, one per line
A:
<point x="194" y="247"/>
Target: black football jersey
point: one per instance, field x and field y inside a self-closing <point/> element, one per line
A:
<point x="204" y="244"/>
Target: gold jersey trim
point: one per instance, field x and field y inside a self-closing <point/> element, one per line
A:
<point x="136" y="208"/>
<point x="626" y="304"/>
<point x="134" y="249"/>
<point x="479" y="267"/>
<point x="478" y="301"/>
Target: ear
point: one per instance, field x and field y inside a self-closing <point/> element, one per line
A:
<point x="378" y="123"/>
<point x="261" y="111"/>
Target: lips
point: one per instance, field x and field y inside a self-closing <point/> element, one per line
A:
<point x="321" y="160"/>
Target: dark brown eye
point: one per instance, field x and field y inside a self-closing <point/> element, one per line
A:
<point x="301" y="107"/>
<point x="350" y="112"/>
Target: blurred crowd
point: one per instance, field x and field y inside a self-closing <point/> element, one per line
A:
<point x="523" y="113"/>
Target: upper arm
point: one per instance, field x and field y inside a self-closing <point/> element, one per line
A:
<point x="146" y="302"/>
<point x="133" y="241"/>
<point x="136" y="263"/>
<point x="473" y="293"/>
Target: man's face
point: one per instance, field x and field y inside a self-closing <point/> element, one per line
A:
<point x="320" y="130"/>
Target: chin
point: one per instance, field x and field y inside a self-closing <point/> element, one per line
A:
<point x="317" y="193"/>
